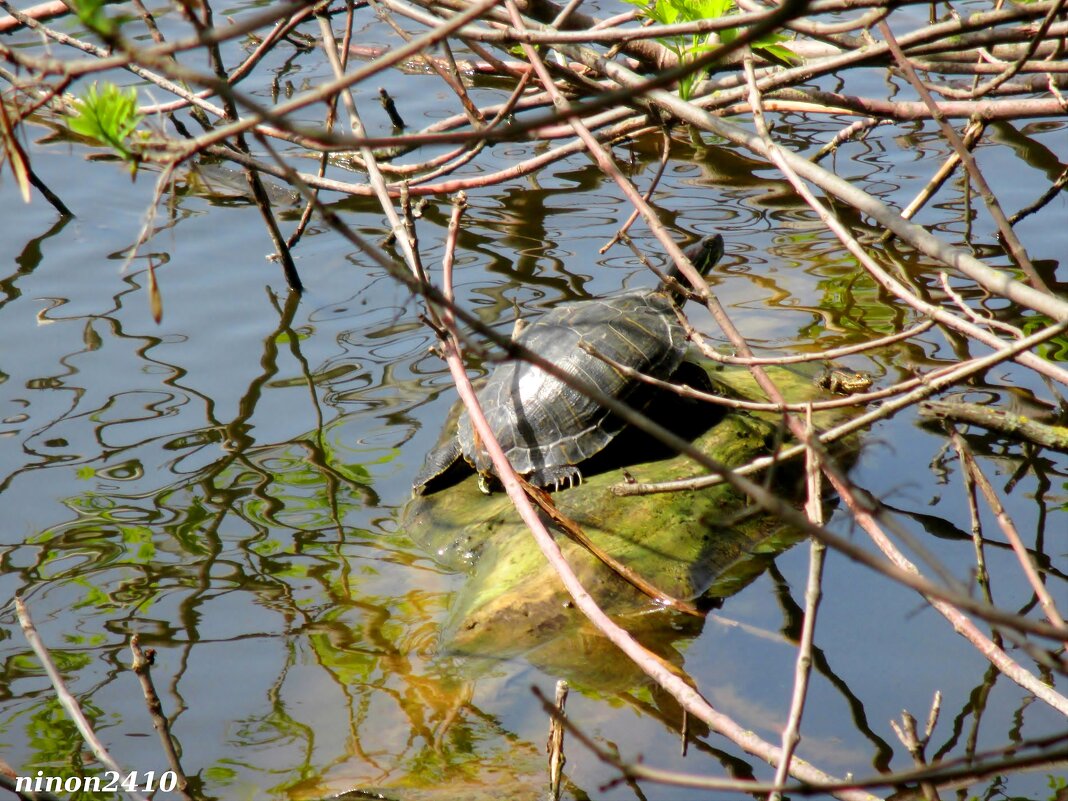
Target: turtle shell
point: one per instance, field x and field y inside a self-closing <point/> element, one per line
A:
<point x="544" y="426"/>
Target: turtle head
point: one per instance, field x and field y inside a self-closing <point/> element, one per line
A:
<point x="703" y="255"/>
<point x="706" y="253"/>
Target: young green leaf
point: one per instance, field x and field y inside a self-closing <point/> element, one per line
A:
<point x="91" y="13"/>
<point x="108" y="116"/>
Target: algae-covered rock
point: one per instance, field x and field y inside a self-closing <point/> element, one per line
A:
<point x="693" y="545"/>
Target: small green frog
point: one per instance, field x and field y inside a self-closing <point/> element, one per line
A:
<point x="843" y="382"/>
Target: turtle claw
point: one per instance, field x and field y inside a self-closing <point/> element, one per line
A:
<point x="566" y="477"/>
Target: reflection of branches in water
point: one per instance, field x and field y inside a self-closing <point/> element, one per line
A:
<point x="1013" y="56"/>
<point x="199" y="513"/>
<point x="27" y="261"/>
<point x="793" y="618"/>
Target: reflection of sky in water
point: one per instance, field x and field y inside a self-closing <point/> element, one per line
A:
<point x="288" y="626"/>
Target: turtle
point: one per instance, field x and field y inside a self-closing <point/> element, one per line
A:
<point x="546" y="428"/>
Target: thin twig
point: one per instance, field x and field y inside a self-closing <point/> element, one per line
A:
<point x="555" y="744"/>
<point x="64" y="696"/>
<point x="141" y="665"/>
<point x="813" y="593"/>
<point x="1008" y="529"/>
<point x="1016" y="248"/>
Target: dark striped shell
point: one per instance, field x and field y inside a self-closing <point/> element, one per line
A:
<point x="544" y="425"/>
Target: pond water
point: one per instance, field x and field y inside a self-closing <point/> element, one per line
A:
<point x="227" y="483"/>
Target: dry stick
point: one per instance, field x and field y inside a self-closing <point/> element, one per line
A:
<point x="54" y="8"/>
<point x="827" y="31"/>
<point x="971" y="136"/>
<point x="1032" y="47"/>
<point x="803" y="669"/>
<point x="831" y="353"/>
<point x="65" y="698"/>
<point x="340" y="83"/>
<point x="516" y="70"/>
<point x="281" y="30"/>
<point x="634" y="41"/>
<point x="259" y="113"/>
<point x="640" y="770"/>
<point x="999" y="420"/>
<point x="105" y="61"/>
<point x="941" y="315"/>
<point x="38" y="91"/>
<point x="1044" y="68"/>
<point x="49" y="195"/>
<point x="450" y="162"/>
<point x="767" y="23"/>
<point x="877" y="53"/>
<point x="665" y="154"/>
<point x="860" y="128"/>
<point x="968" y="311"/>
<point x="282" y="27"/>
<point x="452" y="80"/>
<point x="1054" y="190"/>
<point x="374" y="175"/>
<point x="1008" y="528"/>
<point x="390" y="140"/>
<point x="609" y="31"/>
<point x="608" y="166"/>
<point x="10" y="783"/>
<point x="906" y="732"/>
<point x="1014" y="330"/>
<point x="449" y="186"/>
<point x="12" y="149"/>
<point x="255" y="183"/>
<point x="685" y="391"/>
<point x="811" y="101"/>
<point x="864" y="517"/>
<point x="1008" y="235"/>
<point x="331" y="117"/>
<point x="155" y="300"/>
<point x="555" y="745"/>
<point x="479" y="140"/>
<point x="990" y="43"/>
<point x="141" y="666"/>
<point x="573" y="530"/>
<point x="982" y="575"/>
<point x="14" y="152"/>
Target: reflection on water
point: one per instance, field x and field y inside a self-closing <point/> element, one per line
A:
<point x="227" y="484"/>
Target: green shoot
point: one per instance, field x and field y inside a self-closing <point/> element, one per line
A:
<point x="91" y="13"/>
<point x="108" y="116"/>
<point x="687" y="47"/>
